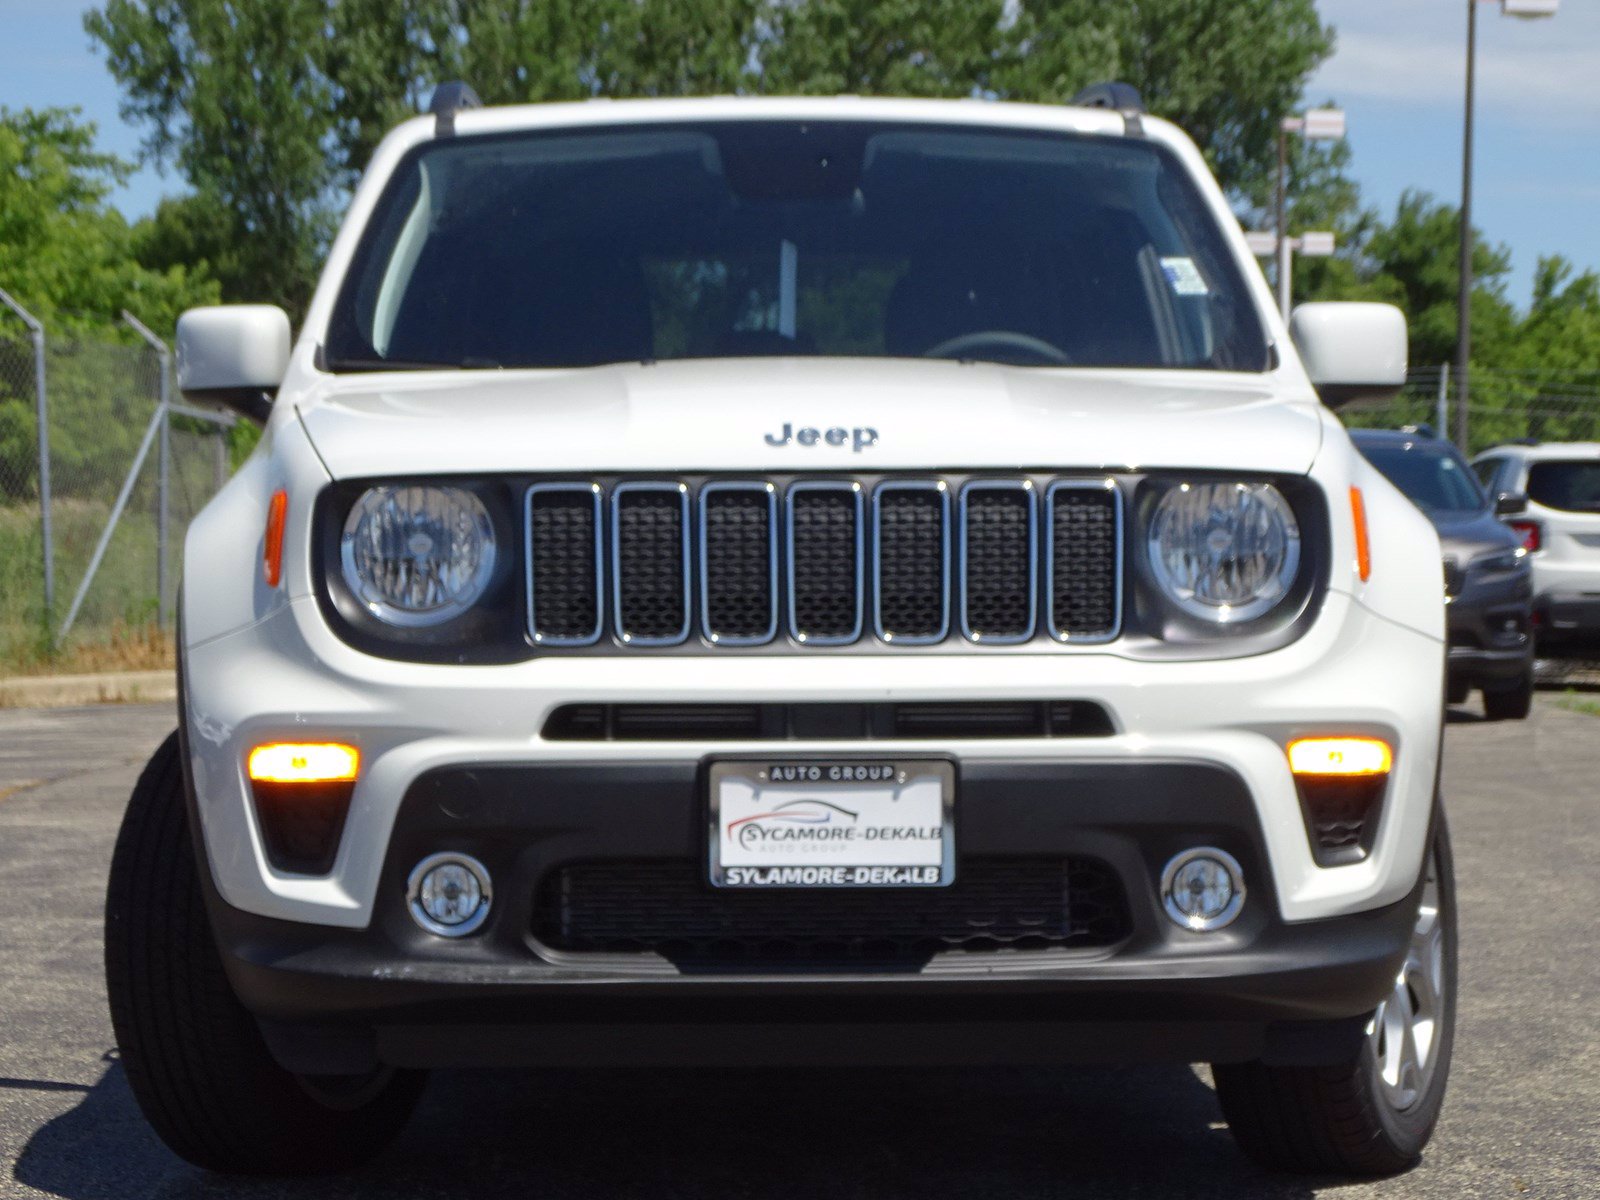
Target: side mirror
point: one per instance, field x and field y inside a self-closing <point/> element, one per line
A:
<point x="1352" y="351"/>
<point x="1509" y="504"/>
<point x="234" y="355"/>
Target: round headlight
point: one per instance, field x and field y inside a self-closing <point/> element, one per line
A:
<point x="1224" y="552"/>
<point x="417" y="555"/>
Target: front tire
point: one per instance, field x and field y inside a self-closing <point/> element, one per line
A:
<point x="194" y="1057"/>
<point x="1373" y="1114"/>
<point x="1513" y="704"/>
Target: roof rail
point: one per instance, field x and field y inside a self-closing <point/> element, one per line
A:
<point x="449" y="99"/>
<point x="1111" y="94"/>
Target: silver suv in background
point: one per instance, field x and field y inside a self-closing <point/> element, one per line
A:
<point x="1559" y="526"/>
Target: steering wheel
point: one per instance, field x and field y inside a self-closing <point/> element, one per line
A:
<point x="963" y="344"/>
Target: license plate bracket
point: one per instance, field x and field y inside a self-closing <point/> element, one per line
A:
<point x="832" y="823"/>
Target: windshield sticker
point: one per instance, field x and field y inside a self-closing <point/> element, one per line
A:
<point x="1184" y="277"/>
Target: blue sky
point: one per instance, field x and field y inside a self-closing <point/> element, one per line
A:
<point x="1398" y="72"/>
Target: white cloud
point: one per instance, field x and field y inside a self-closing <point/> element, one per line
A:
<point x="1415" y="51"/>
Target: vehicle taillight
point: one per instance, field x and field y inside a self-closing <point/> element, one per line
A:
<point x="1528" y="531"/>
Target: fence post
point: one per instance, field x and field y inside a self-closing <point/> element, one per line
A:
<point x="36" y="332"/>
<point x="1443" y="425"/>
<point x="163" y="469"/>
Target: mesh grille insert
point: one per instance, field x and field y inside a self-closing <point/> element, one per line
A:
<point x="651" y="564"/>
<point x="1020" y="904"/>
<point x="998" y="581"/>
<point x="912" y="594"/>
<point x="563" y="543"/>
<point x="1083" y="548"/>
<point x="824" y="528"/>
<point x="740" y="603"/>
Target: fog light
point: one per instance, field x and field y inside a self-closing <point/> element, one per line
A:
<point x="1203" y="889"/>
<point x="449" y="894"/>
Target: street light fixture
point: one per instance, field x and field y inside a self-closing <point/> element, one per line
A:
<point x="1526" y="10"/>
<point x="1317" y="125"/>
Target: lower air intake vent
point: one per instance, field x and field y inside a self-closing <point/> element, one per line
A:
<point x="911" y="721"/>
<point x="667" y="908"/>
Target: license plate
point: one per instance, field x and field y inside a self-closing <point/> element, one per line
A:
<point x="857" y="823"/>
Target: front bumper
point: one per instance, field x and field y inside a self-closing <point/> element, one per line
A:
<point x="287" y="677"/>
<point x="344" y="999"/>
<point x="1490" y="629"/>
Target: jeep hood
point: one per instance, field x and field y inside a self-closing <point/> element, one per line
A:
<point x="732" y="415"/>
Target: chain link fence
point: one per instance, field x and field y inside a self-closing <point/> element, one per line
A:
<point x="1503" y="406"/>
<point x="92" y="518"/>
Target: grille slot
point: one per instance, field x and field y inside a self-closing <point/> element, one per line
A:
<point x="825" y="563"/>
<point x="564" y="564"/>
<point x="739" y="562"/>
<point x="650" y="562"/>
<point x="999" y="562"/>
<point x="668" y="908"/>
<point x="911" y="721"/>
<point x="1084" y="527"/>
<point x="911" y="532"/>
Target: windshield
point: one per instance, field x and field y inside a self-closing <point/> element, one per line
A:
<point x="1573" y="486"/>
<point x="786" y="238"/>
<point x="1434" y="480"/>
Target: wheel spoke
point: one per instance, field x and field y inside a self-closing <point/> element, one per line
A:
<point x="1405" y="1028"/>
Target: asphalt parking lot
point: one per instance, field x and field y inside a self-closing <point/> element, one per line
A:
<point x="1522" y="1117"/>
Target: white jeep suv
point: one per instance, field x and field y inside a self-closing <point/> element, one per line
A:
<point x="1551" y="493"/>
<point x="793" y="581"/>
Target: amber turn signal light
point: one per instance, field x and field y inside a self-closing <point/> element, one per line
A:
<point x="272" y="550"/>
<point x="1340" y="756"/>
<point x="304" y="762"/>
<point x="1358" y="514"/>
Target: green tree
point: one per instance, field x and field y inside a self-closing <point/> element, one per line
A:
<point x="65" y="253"/>
<point x="68" y="256"/>
<point x="270" y="108"/>
<point x="1224" y="70"/>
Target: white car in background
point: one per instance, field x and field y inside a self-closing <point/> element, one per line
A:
<point x="1560" y="529"/>
<point x="793" y="581"/>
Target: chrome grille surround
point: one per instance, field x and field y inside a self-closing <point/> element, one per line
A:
<point x="575" y="490"/>
<point x="796" y="497"/>
<point x="708" y="625"/>
<point x="936" y="487"/>
<point x="619" y="602"/>
<point x="958" y="555"/>
<point x="987" y="546"/>
<point x="1108" y="488"/>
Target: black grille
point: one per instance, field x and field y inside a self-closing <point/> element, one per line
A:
<point x="876" y="561"/>
<point x="1084" y="537"/>
<point x="565" y="596"/>
<point x="913" y="567"/>
<point x="668" y="908"/>
<point x="824" y="528"/>
<point x="740" y="604"/>
<point x="913" y="721"/>
<point x="651" y="564"/>
<point x="999" y="556"/>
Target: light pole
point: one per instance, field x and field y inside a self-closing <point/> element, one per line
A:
<point x="1526" y="10"/>
<point x="1319" y="124"/>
